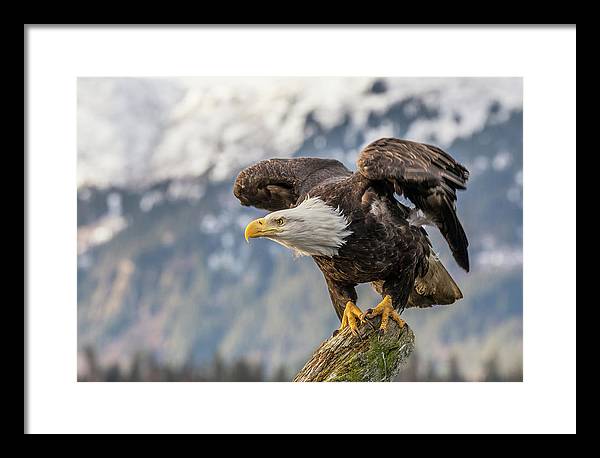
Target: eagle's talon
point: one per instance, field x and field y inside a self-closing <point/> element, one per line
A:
<point x="351" y="313"/>
<point x="367" y="315"/>
<point x="396" y="317"/>
<point x="385" y="309"/>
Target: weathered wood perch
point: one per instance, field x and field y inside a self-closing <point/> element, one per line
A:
<point x="367" y="358"/>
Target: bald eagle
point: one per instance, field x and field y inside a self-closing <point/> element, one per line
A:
<point x="355" y="228"/>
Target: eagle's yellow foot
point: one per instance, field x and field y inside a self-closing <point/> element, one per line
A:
<point x="351" y="314"/>
<point x="385" y="309"/>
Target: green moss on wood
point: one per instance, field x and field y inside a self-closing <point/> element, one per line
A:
<point x="371" y="357"/>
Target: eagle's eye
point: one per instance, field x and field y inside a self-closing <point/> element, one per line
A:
<point x="279" y="221"/>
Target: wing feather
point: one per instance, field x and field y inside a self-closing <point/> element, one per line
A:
<point x="277" y="184"/>
<point x="426" y="175"/>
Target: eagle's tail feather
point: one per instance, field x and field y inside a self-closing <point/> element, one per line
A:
<point x="436" y="287"/>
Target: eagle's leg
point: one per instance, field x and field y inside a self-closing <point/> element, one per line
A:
<point x="351" y="314"/>
<point x="385" y="309"/>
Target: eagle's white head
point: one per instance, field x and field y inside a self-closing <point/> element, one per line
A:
<point x="313" y="228"/>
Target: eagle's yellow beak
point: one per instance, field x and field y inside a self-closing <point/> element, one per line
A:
<point x="256" y="228"/>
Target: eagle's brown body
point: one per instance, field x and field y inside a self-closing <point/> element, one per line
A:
<point x="384" y="248"/>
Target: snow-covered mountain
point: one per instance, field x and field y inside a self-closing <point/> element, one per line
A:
<point x="137" y="131"/>
<point x="162" y="263"/>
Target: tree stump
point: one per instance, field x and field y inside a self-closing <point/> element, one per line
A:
<point x="370" y="357"/>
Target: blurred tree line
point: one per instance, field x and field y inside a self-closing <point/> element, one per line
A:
<point x="146" y="368"/>
<point x="417" y="370"/>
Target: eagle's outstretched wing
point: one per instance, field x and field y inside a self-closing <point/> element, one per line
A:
<point x="277" y="184"/>
<point x="426" y="175"/>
